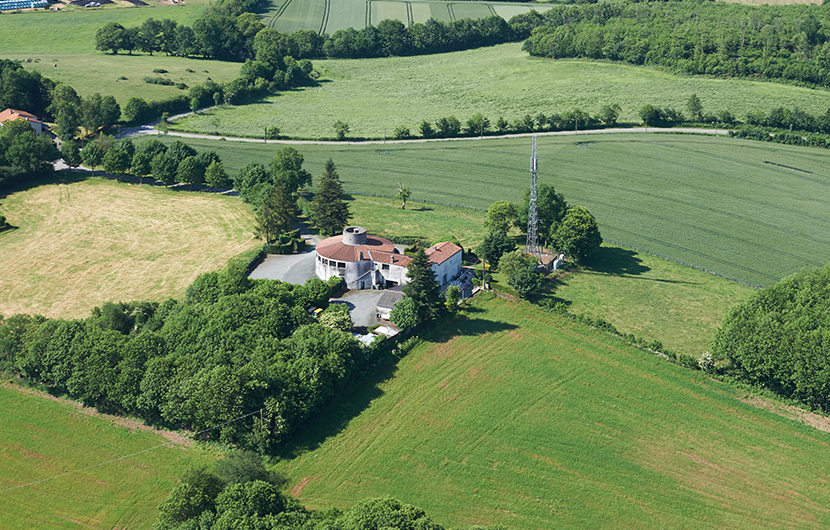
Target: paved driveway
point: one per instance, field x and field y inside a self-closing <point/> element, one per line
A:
<point x="362" y="306"/>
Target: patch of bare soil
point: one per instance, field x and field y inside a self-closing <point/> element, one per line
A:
<point x="297" y="490"/>
<point x="812" y="419"/>
<point x="130" y="423"/>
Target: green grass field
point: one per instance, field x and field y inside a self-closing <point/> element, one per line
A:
<point x="89" y="73"/>
<point x="651" y="297"/>
<point x="42" y="438"/>
<point x="327" y="17"/>
<point x="80" y="244"/>
<point x="717" y="203"/>
<point x="374" y="96"/>
<point x="73" y="32"/>
<point x="516" y="417"/>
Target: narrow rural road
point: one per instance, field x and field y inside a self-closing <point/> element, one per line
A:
<point x="149" y="129"/>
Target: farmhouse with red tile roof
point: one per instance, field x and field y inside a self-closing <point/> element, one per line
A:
<point x="372" y="262"/>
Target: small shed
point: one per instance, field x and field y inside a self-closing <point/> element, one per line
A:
<point x="387" y="301"/>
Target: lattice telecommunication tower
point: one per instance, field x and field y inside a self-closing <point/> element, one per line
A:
<point x="532" y="245"/>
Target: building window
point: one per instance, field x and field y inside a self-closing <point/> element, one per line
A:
<point x="445" y="280"/>
<point x="384" y="266"/>
<point x="341" y="265"/>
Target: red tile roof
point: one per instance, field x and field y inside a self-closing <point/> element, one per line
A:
<point x="441" y="252"/>
<point x="334" y="248"/>
<point x="11" y="114"/>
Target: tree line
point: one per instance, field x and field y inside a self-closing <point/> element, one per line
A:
<point x="230" y="36"/>
<point x="232" y="347"/>
<point x="783" y="43"/>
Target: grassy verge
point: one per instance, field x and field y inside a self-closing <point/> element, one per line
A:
<point x="80" y="244"/>
<point x="511" y="416"/>
<point x="377" y="95"/>
<point x="42" y="438"/>
<point x="719" y="204"/>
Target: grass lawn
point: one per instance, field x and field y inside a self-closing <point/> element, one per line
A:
<point x="42" y="438"/>
<point x="384" y="217"/>
<point x="80" y="244"/>
<point x="516" y="417"/>
<point x="717" y="203"/>
<point x="374" y="96"/>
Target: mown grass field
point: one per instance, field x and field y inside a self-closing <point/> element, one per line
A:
<point x="650" y="297"/>
<point x="80" y="244"/>
<point x="42" y="438"/>
<point x="717" y="203"/>
<point x="327" y="17"/>
<point x="374" y="96"/>
<point x="516" y="417"/>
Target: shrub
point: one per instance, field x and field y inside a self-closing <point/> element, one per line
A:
<point x="158" y="81"/>
<point x="181" y="86"/>
<point x="159" y="71"/>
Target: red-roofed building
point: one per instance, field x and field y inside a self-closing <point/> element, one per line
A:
<point x="371" y="262"/>
<point x="11" y="114"/>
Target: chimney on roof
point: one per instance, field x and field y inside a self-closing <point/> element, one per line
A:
<point x="391" y="258"/>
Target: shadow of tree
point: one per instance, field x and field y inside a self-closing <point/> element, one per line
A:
<point x="60" y="177"/>
<point x="617" y="261"/>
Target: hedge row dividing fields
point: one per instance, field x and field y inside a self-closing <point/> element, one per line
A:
<point x="713" y="203"/>
<point x="325" y="16"/>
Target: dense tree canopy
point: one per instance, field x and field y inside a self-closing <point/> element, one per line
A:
<point x="422" y="288"/>
<point x="780" y="338"/>
<point x="578" y="234"/>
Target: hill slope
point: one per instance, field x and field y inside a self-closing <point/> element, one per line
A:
<point x="517" y="417"/>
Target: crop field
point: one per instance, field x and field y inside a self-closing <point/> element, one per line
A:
<point x="43" y="437"/>
<point x="516" y="417"/>
<point x="80" y="244"/>
<point x="747" y="210"/>
<point x="325" y="16"/>
<point x="374" y="96"/>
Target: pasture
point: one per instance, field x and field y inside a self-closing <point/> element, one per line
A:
<point x="374" y="96"/>
<point x="324" y="16"/>
<point x="82" y="243"/>
<point x="511" y="416"/>
<point x="746" y="210"/>
<point x="43" y="437"/>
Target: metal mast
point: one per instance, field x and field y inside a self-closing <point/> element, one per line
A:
<point x="532" y="244"/>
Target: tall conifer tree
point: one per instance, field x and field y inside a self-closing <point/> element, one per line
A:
<point x="328" y="210"/>
<point x="422" y="287"/>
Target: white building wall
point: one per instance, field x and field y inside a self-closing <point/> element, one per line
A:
<point x="450" y="268"/>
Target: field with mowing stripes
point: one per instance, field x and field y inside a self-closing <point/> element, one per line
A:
<point x="80" y="244"/>
<point x="43" y="437"/>
<point x="327" y="16"/>
<point x="374" y="96"/>
<point x="516" y="417"/>
<point x="747" y="210"/>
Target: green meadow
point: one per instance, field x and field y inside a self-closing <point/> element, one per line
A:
<point x="750" y="211"/>
<point x="374" y="96"/>
<point x="42" y="438"/>
<point x="508" y="415"/>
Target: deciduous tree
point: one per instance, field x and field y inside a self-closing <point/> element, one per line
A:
<point x="403" y="195"/>
<point x="92" y="156"/>
<point x="578" y="234"/>
<point x="500" y="216"/>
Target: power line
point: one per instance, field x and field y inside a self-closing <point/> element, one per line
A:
<point x="132" y="454"/>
